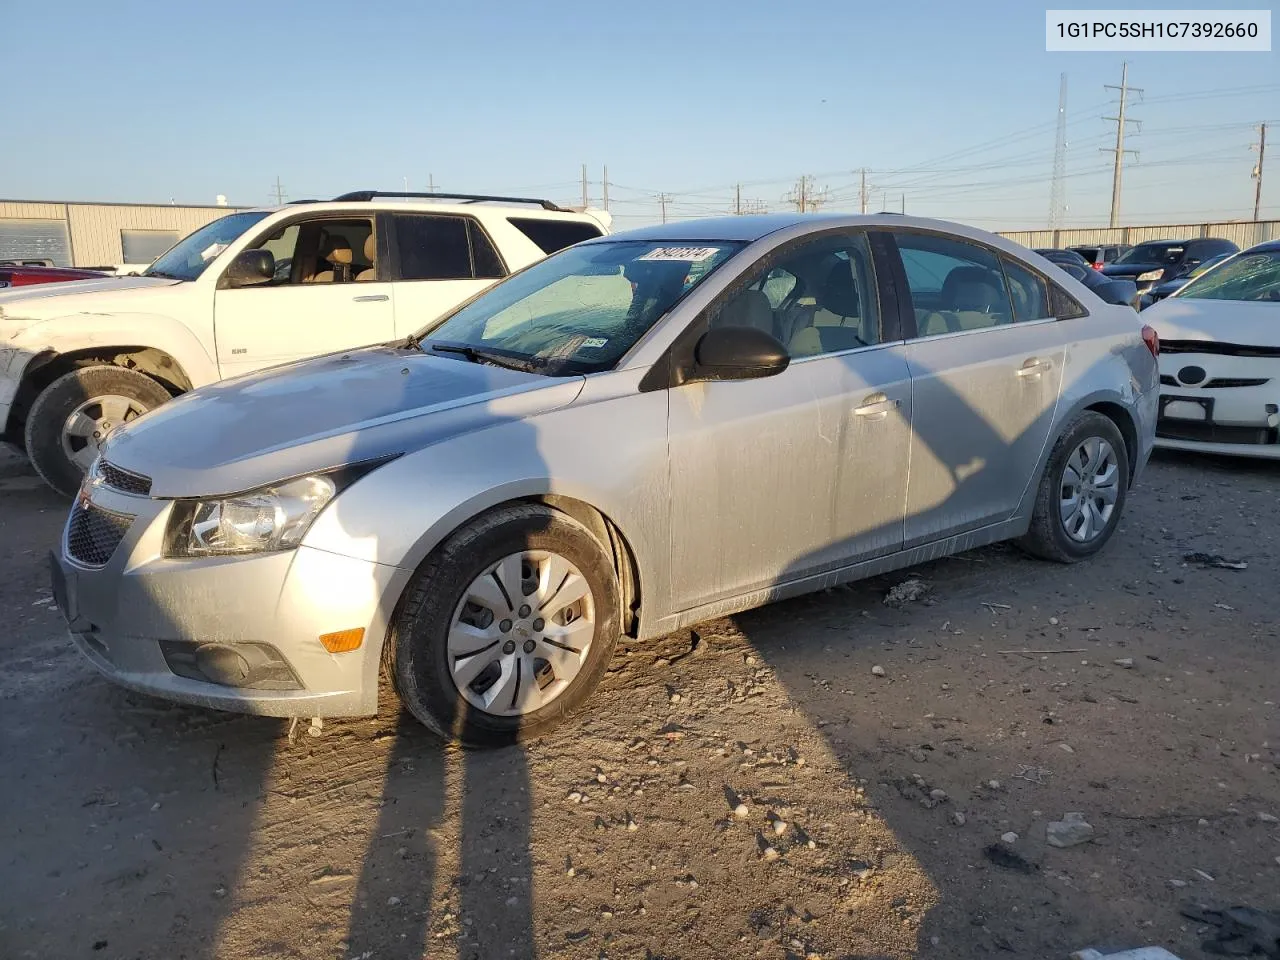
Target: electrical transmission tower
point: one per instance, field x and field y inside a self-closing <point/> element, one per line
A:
<point x="1057" y="198"/>
<point x="278" y="192"/>
<point x="1119" y="149"/>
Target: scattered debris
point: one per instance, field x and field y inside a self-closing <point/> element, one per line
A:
<point x="1140" y="953"/>
<point x="908" y="591"/>
<point x="958" y="819"/>
<point x="1126" y="662"/>
<point x="1009" y="837"/>
<point x="1268" y="818"/>
<point x="1214" y="560"/>
<point x="1036" y="653"/>
<point x="1031" y="774"/>
<point x="1242" y="931"/>
<point x="877" y="671"/>
<point x="1002" y="856"/>
<point x="770" y="853"/>
<point x="741" y="811"/>
<point x="993" y="607"/>
<point x="1203" y="876"/>
<point x="1070" y="831"/>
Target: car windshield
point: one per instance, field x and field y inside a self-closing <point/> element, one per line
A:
<point x="1207" y="265"/>
<point x="1247" y="276"/>
<point x="580" y="310"/>
<point x="189" y="257"/>
<point x="1153" y="253"/>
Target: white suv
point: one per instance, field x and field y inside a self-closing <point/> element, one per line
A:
<point x="253" y="289"/>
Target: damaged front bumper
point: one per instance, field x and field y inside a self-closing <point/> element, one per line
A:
<point x="1219" y="398"/>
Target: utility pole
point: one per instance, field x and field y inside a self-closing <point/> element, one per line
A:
<point x="279" y="191"/>
<point x="663" y="200"/>
<point x="584" y="186"/>
<point x="737" y="201"/>
<point x="904" y="204"/>
<point x="1057" y="199"/>
<point x="1119" y="149"/>
<point x="863" y="192"/>
<point x="1261" y="146"/>
<point x="431" y="183"/>
<point x="605" y="187"/>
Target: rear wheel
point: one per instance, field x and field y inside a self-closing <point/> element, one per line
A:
<point x="1082" y="493"/>
<point x="73" y="415"/>
<point x="506" y="630"/>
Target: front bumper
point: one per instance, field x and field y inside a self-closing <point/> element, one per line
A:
<point x="232" y="633"/>
<point x="1233" y="407"/>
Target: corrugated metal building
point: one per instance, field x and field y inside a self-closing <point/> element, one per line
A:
<point x="1242" y="233"/>
<point x="96" y="234"/>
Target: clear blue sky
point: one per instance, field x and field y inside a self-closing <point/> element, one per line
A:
<point x="149" y="102"/>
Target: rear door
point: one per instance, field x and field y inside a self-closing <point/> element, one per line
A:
<point x="326" y="295"/>
<point x="438" y="262"/>
<point x="986" y="367"/>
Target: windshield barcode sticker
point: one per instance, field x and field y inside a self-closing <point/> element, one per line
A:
<point x="684" y="254"/>
<point x="594" y="342"/>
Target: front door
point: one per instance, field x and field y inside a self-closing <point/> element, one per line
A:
<point x="327" y="295"/>
<point x="788" y="476"/>
<point x="986" y="369"/>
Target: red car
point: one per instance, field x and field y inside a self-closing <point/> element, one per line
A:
<point x="26" y="274"/>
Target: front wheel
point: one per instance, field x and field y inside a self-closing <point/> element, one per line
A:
<point x="73" y="415"/>
<point x="506" y="630"/>
<point x="1082" y="492"/>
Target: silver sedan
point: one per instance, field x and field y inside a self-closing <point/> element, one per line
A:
<point x="636" y="434"/>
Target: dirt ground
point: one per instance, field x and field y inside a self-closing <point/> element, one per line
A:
<point x="136" y="829"/>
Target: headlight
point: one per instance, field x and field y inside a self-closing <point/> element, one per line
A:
<point x="1150" y="275"/>
<point x="274" y="517"/>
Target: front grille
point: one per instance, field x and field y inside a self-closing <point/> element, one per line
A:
<point x="1235" y="382"/>
<point x="1198" y="431"/>
<point x="1167" y="380"/>
<point x="1218" y="347"/>
<point x="123" y="480"/>
<point x="93" y="533"/>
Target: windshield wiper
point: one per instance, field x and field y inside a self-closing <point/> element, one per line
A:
<point x="480" y="355"/>
<point x="163" y="275"/>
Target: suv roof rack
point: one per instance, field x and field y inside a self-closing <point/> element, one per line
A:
<point x="362" y="196"/>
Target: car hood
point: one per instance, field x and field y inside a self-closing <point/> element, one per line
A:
<point x="321" y="413"/>
<point x="76" y="296"/>
<point x="1243" y="322"/>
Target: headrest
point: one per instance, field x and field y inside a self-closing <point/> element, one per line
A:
<point x="337" y="250"/>
<point x="750" y="308"/>
<point x="371" y="248"/>
<point x="970" y="287"/>
<point x="839" y="293"/>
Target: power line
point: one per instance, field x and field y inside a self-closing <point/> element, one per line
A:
<point x="1119" y="149"/>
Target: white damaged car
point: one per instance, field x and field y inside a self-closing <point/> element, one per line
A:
<point x="1220" y="358"/>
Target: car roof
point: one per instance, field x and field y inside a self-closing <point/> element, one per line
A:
<point x="755" y="226"/>
<point x="1267" y="246"/>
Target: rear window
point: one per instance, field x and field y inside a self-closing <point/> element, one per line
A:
<point x="552" y="235"/>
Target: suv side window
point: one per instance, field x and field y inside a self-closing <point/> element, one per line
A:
<point x="338" y="250"/>
<point x="820" y="298"/>
<point x="955" y="285"/>
<point x="1029" y="291"/>
<point x="433" y="247"/>
<point x="550" y="235"/>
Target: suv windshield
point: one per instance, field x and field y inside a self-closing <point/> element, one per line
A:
<point x="1248" y="276"/>
<point x="1153" y="253"/>
<point x="187" y="258"/>
<point x="580" y="310"/>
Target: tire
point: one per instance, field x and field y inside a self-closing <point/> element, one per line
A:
<point x="1049" y="537"/>
<point x="417" y="654"/>
<point x="49" y="415"/>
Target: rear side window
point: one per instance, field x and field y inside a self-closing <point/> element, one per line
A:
<point x="444" y="248"/>
<point x="1028" y="291"/>
<point x="955" y="285"/>
<point x="552" y="235"/>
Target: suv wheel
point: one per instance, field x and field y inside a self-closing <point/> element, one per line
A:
<point x="74" y="414"/>
<point x="1082" y="492"/>
<point x="506" y="630"/>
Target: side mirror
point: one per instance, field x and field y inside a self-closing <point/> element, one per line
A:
<point x="249" y="268"/>
<point x="1123" y="293"/>
<point x="738" y="353"/>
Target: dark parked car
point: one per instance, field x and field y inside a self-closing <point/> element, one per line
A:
<point x="1111" y="289"/>
<point x="1156" y="261"/>
<point x="1100" y="255"/>
<point x="24" y="275"/>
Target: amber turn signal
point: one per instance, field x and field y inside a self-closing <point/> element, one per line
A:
<point x="344" y="641"/>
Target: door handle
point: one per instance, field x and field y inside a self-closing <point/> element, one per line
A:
<point x="876" y="407"/>
<point x="371" y="298"/>
<point x="1032" y="367"/>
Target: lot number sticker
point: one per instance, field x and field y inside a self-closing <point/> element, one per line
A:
<point x="683" y="254"/>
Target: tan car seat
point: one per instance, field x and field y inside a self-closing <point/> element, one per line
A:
<point x="835" y="323"/>
<point x="337" y="253"/>
<point x="974" y="300"/>
<point x="370" y="255"/>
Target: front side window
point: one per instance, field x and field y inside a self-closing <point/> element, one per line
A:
<point x="191" y="256"/>
<point x="581" y="309"/>
<point x="1029" y="292"/>
<point x="820" y="298"/>
<point x="1246" y="276"/>
<point x="338" y="250"/>
<point x="955" y="285"/>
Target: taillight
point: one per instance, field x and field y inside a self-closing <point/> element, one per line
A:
<point x="1098" y="266"/>
<point x="1151" y="339"/>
